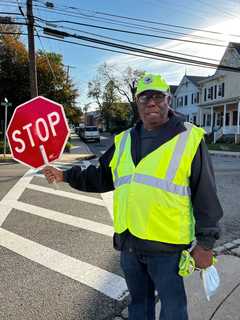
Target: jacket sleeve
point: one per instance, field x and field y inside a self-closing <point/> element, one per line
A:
<point x="93" y="179"/>
<point x="206" y="206"/>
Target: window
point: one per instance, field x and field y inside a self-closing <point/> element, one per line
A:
<point x="218" y="122"/>
<point x="215" y="92"/>
<point x="186" y="100"/>
<point x="208" y="120"/>
<point x="235" y="114"/>
<point x="205" y="94"/>
<point x="197" y="97"/>
<point x="179" y="101"/>
<point x="210" y="93"/>
<point x="223" y="89"/>
<point x="219" y="90"/>
<point x="204" y="119"/>
<point x="227" y="122"/>
<point x="192" y="98"/>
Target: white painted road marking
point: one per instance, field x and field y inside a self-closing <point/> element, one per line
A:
<point x="61" y="217"/>
<point x="66" y="194"/>
<point x="14" y="194"/>
<point x="104" y="281"/>
<point x="108" y="200"/>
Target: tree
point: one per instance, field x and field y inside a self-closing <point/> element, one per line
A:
<point x="14" y="76"/>
<point x="115" y="113"/>
<point x="10" y="28"/>
<point x="53" y="81"/>
<point x="125" y="82"/>
<point x="109" y="97"/>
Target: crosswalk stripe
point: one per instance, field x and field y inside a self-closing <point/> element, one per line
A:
<point x="110" y="284"/>
<point x="14" y="194"/>
<point x="66" y="194"/>
<point x="61" y="217"/>
<point x="108" y="200"/>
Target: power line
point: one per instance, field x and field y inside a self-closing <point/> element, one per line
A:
<point x="142" y="51"/>
<point x="138" y="44"/>
<point x="131" y="25"/>
<point x="147" y="21"/>
<point x="128" y="42"/>
<point x="130" y="32"/>
<point x="10" y="13"/>
<point x="49" y="64"/>
<point x="146" y="52"/>
<point x="111" y="50"/>
<point x="123" y="52"/>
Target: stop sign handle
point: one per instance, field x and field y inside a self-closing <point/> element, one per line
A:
<point x="45" y="159"/>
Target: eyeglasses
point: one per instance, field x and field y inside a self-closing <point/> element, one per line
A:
<point x="157" y="98"/>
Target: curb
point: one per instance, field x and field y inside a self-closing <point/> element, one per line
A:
<point x="230" y="154"/>
<point x="70" y="157"/>
<point x="229" y="248"/>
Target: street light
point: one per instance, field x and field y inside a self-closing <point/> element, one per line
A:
<point x="5" y="104"/>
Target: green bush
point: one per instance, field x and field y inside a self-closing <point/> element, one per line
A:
<point x="2" y="148"/>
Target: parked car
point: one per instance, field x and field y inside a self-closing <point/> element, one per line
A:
<point x="89" y="133"/>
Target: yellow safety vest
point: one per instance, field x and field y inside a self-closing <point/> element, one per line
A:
<point x="153" y="199"/>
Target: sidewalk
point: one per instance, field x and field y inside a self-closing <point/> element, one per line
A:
<point x="199" y="308"/>
<point x="80" y="151"/>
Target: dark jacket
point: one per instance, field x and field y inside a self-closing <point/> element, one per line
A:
<point x="207" y="209"/>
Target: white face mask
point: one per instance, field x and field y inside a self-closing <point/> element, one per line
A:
<point x="211" y="281"/>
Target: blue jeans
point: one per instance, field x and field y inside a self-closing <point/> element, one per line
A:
<point x="144" y="274"/>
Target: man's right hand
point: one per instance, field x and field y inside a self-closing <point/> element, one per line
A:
<point x="52" y="174"/>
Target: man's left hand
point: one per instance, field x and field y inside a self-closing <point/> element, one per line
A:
<point x="203" y="257"/>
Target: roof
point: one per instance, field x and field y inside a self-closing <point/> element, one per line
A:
<point x="195" y="79"/>
<point x="173" y="88"/>
<point x="235" y="45"/>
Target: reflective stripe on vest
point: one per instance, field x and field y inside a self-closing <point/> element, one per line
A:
<point x="178" y="152"/>
<point x="121" y="149"/>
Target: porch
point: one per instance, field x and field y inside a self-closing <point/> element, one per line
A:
<point x="222" y="119"/>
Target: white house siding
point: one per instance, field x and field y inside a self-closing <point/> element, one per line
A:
<point x="187" y="88"/>
<point x="222" y="106"/>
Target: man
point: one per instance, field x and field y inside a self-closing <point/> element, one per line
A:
<point x="164" y="197"/>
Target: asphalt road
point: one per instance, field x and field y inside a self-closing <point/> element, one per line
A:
<point x="57" y="260"/>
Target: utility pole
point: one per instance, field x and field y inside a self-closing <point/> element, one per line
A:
<point x="68" y="71"/>
<point x="31" y="51"/>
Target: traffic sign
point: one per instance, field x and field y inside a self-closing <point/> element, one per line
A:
<point x="38" y="132"/>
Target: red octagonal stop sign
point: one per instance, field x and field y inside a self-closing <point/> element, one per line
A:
<point x="38" y="132"/>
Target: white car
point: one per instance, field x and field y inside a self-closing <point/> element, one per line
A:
<point x="90" y="133"/>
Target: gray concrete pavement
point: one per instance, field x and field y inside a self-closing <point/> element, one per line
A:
<point x="222" y="306"/>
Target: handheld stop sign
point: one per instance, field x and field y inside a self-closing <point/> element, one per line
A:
<point x="38" y="132"/>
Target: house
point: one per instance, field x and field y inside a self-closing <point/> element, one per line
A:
<point x="187" y="96"/>
<point x="219" y="108"/>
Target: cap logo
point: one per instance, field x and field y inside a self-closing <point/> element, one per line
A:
<point x="147" y="80"/>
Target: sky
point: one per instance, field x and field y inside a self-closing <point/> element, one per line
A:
<point x="222" y="16"/>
